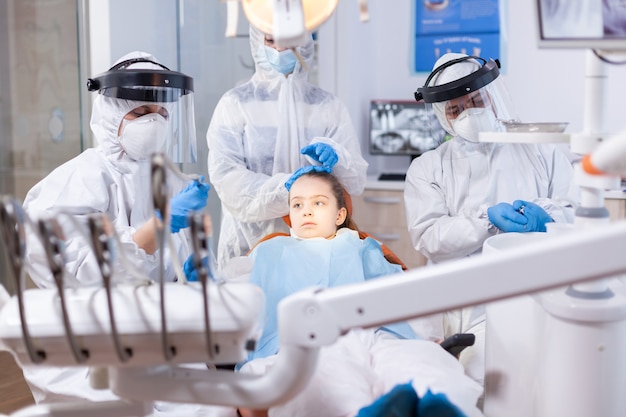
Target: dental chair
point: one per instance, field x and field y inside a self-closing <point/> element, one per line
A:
<point x="453" y="344"/>
<point x="308" y="320"/>
<point x="142" y="338"/>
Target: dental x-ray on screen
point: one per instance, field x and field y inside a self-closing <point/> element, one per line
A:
<point x="403" y="128"/>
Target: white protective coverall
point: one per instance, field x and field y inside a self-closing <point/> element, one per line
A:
<point x="254" y="140"/>
<point x="449" y="189"/>
<point x="99" y="180"/>
<point x="363" y="364"/>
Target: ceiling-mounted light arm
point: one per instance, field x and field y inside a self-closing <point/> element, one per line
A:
<point x="232" y="18"/>
<point x="364" y="13"/>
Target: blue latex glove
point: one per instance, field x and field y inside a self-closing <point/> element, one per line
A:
<point x="322" y="153"/>
<point x="193" y="197"/>
<point x="400" y="401"/>
<point x="190" y="268"/>
<point x="302" y="171"/>
<point x="537" y="217"/>
<point x="437" y="405"/>
<point x="506" y="218"/>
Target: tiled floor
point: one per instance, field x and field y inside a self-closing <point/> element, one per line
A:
<point x="14" y="392"/>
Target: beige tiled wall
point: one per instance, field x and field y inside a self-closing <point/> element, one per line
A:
<point x="41" y="48"/>
<point x="39" y="76"/>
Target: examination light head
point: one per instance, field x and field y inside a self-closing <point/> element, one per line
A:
<point x="289" y="21"/>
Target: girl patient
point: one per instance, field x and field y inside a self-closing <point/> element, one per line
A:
<point x="325" y="250"/>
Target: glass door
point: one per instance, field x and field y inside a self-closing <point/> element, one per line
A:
<point x="40" y="118"/>
<point x="217" y="64"/>
<point x="185" y="35"/>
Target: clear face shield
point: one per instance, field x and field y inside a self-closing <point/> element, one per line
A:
<point x="476" y="99"/>
<point x="164" y="112"/>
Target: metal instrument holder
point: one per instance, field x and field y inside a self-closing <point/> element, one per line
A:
<point x="160" y="202"/>
<point x="158" y="168"/>
<point x="199" y="242"/>
<point x="51" y="237"/>
<point x="13" y="220"/>
<point x="101" y="246"/>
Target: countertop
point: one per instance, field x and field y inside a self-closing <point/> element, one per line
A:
<point x="373" y="183"/>
<point x="615" y="194"/>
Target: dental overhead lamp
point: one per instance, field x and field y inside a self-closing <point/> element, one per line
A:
<point x="289" y="21"/>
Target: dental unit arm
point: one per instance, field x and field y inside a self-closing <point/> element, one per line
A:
<point x="307" y="321"/>
<point x="584" y="323"/>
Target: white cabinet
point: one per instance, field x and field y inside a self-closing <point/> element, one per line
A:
<point x="616" y="207"/>
<point x="379" y="211"/>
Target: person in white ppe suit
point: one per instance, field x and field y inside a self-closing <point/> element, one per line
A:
<point x="465" y="191"/>
<point x="129" y="124"/>
<point x="114" y="177"/>
<point x="264" y="130"/>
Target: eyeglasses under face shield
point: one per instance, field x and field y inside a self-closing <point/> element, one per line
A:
<point x="480" y="88"/>
<point x="169" y="90"/>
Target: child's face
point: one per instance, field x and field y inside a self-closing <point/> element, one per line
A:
<point x="313" y="209"/>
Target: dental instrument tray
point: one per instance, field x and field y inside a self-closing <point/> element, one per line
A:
<point x="531" y="127"/>
<point x="235" y="310"/>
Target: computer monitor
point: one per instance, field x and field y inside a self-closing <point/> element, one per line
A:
<point x="595" y="24"/>
<point x="403" y="128"/>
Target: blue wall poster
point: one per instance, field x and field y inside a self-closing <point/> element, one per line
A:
<point x="466" y="26"/>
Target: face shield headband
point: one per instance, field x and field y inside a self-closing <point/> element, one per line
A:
<point x="435" y="94"/>
<point x="160" y="86"/>
<point x="169" y="89"/>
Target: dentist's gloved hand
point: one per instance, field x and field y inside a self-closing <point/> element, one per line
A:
<point x="300" y="171"/>
<point x="537" y="217"/>
<point x="402" y="400"/>
<point x="322" y="153"/>
<point x="506" y="218"/>
<point x="193" y="197"/>
<point x="191" y="273"/>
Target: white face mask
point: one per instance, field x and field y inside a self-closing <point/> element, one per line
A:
<point x="282" y="61"/>
<point x="473" y="121"/>
<point x="143" y="136"/>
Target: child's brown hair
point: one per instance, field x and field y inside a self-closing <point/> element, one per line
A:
<point x="340" y="193"/>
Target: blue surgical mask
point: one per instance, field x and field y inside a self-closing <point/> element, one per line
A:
<point x="282" y="61"/>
